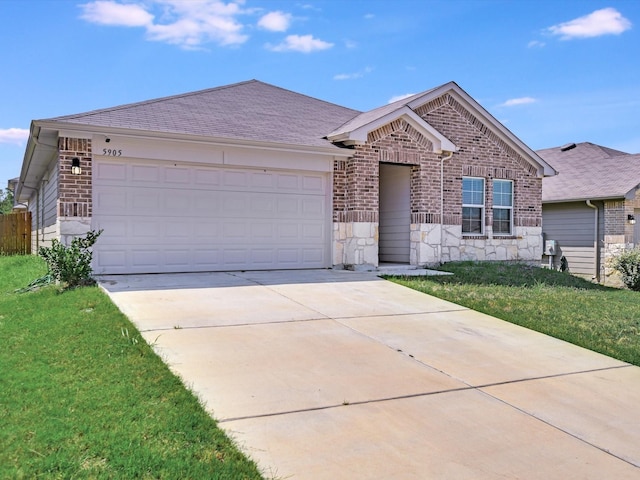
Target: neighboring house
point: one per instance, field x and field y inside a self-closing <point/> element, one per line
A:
<point x="590" y="208"/>
<point x="253" y="176"/>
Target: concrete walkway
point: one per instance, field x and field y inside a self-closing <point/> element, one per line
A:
<point x="342" y="375"/>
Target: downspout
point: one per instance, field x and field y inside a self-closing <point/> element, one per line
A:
<point x="596" y="250"/>
<point x="447" y="156"/>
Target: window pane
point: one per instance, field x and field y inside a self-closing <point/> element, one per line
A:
<point x="472" y="220"/>
<point x="502" y="193"/>
<point x="473" y="191"/>
<point x="501" y="221"/>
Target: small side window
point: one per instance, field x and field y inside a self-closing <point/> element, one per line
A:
<point x="472" y="205"/>
<point x="502" y="207"/>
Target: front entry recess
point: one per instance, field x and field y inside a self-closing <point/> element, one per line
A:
<point x="395" y="213"/>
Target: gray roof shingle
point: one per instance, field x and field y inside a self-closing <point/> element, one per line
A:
<point x="251" y="110"/>
<point x="589" y="171"/>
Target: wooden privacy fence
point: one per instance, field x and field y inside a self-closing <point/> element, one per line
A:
<point x="15" y="233"/>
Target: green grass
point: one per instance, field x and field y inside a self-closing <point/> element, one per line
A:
<point x="602" y="319"/>
<point x="83" y="396"/>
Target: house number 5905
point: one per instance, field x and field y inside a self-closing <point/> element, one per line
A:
<point x="111" y="152"/>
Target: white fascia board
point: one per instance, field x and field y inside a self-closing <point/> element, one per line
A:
<point x="89" y="131"/>
<point x="439" y="141"/>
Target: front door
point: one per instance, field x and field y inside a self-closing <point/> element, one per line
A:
<point x="395" y="213"/>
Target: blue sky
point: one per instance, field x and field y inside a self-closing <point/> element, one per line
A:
<point x="552" y="71"/>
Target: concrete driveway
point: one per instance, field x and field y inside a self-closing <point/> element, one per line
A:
<point x="332" y="374"/>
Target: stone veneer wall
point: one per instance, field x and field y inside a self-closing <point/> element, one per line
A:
<point x="433" y="239"/>
<point x="75" y="196"/>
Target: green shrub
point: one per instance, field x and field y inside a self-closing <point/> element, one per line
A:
<point x="71" y="265"/>
<point x="628" y="265"/>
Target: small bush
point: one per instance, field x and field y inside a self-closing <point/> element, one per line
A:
<point x="71" y="264"/>
<point x="628" y="265"/>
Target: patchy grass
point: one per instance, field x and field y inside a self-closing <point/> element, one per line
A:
<point x="602" y="319"/>
<point x="83" y="396"/>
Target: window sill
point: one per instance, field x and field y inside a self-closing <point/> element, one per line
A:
<point x="474" y="237"/>
<point x="507" y="237"/>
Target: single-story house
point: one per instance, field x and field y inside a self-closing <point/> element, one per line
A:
<point x="253" y="176"/>
<point x="590" y="208"/>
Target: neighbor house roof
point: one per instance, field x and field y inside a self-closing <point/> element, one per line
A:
<point x="589" y="172"/>
<point x="248" y="111"/>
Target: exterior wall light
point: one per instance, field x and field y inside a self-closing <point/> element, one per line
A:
<point x="632" y="219"/>
<point x="75" y="166"/>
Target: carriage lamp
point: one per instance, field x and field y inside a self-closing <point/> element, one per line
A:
<point x="75" y="166"/>
<point x="632" y="219"/>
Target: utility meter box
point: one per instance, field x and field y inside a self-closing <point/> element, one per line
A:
<point x="550" y="247"/>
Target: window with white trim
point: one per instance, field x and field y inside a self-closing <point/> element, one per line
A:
<point x="472" y="206"/>
<point x="502" y="207"/>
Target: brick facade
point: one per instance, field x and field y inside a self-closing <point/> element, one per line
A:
<point x="74" y="191"/>
<point x="480" y="153"/>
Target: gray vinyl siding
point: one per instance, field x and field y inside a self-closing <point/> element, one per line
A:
<point x="571" y="225"/>
<point x="43" y="206"/>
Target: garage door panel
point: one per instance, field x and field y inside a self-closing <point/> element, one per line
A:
<point x="167" y="218"/>
<point x="235" y="179"/>
<point x="177" y="258"/>
<point x="145" y="230"/>
<point x="176" y="176"/>
<point x="313" y="184"/>
<point x="145" y="174"/>
<point x="108" y="173"/>
<point x="206" y="178"/>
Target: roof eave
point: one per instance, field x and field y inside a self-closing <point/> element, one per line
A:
<point x="359" y="135"/>
<point x="37" y="157"/>
<point x="583" y="199"/>
<point x="87" y="131"/>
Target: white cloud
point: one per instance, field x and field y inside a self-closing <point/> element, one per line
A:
<point x="107" y="12"/>
<point x="188" y="24"/>
<point x="396" y="98"/>
<point x="535" y="43"/>
<point x="369" y="16"/>
<point x="17" y="136"/>
<point x="518" y="101"/>
<point x="353" y="76"/>
<point x="275" y="21"/>
<point x="300" y="43"/>
<point x="607" y="21"/>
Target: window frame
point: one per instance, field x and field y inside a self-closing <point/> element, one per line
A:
<point x="479" y="206"/>
<point x="508" y="208"/>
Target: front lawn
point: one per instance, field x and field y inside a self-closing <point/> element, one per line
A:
<point x="83" y="396"/>
<point x="602" y="319"/>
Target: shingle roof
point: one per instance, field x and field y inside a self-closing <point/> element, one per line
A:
<point x="251" y="110"/>
<point x="589" y="171"/>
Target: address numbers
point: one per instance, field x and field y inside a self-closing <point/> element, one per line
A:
<point x="111" y="152"/>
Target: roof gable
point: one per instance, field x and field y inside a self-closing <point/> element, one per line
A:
<point x="355" y="130"/>
<point x="589" y="172"/>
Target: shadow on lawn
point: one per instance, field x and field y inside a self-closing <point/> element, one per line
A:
<point x="511" y="274"/>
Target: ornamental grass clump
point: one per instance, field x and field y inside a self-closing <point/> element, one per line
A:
<point x="70" y="265"/>
<point x="628" y="265"/>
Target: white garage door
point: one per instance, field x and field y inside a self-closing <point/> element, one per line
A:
<point x="161" y="217"/>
